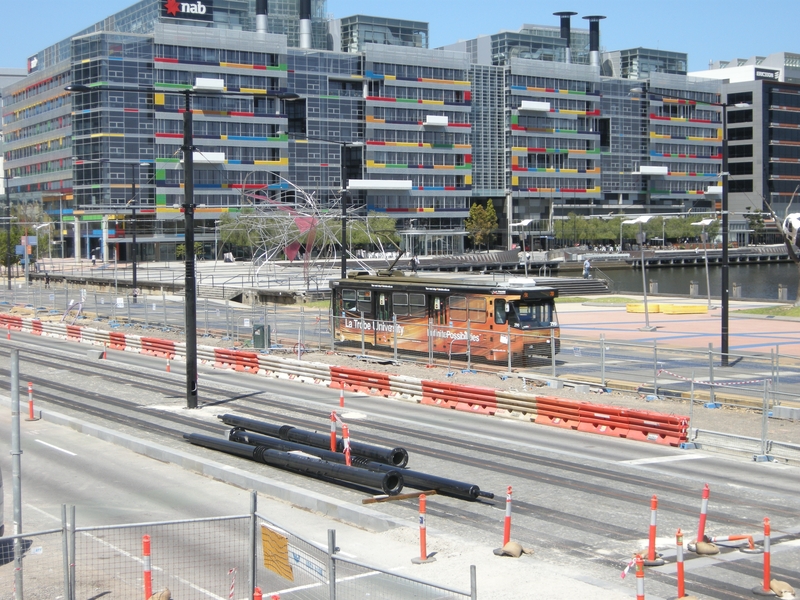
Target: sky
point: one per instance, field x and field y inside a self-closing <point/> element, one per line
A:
<point x="706" y="30"/>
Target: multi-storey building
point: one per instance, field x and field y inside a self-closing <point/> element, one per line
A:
<point x="763" y="98"/>
<point x="538" y="121"/>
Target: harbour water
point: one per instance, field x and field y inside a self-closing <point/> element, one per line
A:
<point x="757" y="281"/>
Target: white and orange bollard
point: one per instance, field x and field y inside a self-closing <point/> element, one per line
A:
<point x="341" y="394"/>
<point x="679" y="563"/>
<point x="8" y="331"/>
<point x="148" y="581"/>
<point x="333" y="431"/>
<point x="423" y="533"/>
<point x="105" y="350"/>
<point x="507" y="523"/>
<point x="232" y="573"/>
<point x="168" y="365"/>
<point x="30" y="402"/>
<point x="346" y="443"/>
<point x="764" y="589"/>
<point x="701" y="528"/>
<point x="653" y="560"/>
<point x="257" y="595"/>
<point x="639" y="578"/>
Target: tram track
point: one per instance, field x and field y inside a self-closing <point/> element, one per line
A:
<point x="565" y="475"/>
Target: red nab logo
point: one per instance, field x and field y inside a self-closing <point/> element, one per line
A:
<point x="173" y="8"/>
<point x="198" y="9"/>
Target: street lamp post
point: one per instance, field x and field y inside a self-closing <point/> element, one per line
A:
<point x="345" y="191"/>
<point x="8" y="231"/>
<point x="724" y="292"/>
<point x="704" y="238"/>
<point x="640" y="238"/>
<point x="190" y="284"/>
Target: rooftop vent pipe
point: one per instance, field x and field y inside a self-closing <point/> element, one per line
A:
<point x="262" y="9"/>
<point x="594" y="39"/>
<point x="565" y="29"/>
<point x="305" y="24"/>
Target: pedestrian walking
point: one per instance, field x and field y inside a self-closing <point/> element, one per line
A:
<point x="587" y="266"/>
<point x="46" y="279"/>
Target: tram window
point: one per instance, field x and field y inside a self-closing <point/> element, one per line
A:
<point x="477" y="310"/>
<point x="458" y="308"/>
<point x="348" y="300"/>
<point x="400" y="304"/>
<point x="499" y="312"/>
<point x="416" y="305"/>
<point x="365" y="301"/>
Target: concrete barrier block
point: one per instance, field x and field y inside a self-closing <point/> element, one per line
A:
<point x="94" y="354"/>
<point x="786" y="412"/>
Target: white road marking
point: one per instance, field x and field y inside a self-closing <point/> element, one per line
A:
<point x="56" y="448"/>
<point x="662" y="459"/>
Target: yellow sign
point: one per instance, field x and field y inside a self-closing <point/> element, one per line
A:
<point x="276" y="553"/>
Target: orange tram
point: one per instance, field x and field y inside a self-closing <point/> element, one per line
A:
<point x="446" y="316"/>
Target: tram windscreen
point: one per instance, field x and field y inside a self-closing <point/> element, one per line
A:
<point x="532" y="315"/>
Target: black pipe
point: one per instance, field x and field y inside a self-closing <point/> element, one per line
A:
<point x="305" y="9"/>
<point x="414" y="479"/>
<point x="390" y="482"/>
<point x="396" y="457"/>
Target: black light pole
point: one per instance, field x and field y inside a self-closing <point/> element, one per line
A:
<point x="8" y="232"/>
<point x="345" y="198"/>
<point x="134" y="247"/>
<point x="190" y="283"/>
<point x="724" y="293"/>
<point x="725" y="272"/>
<point x="190" y="287"/>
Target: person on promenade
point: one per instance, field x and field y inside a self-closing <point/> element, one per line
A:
<point x="587" y="266"/>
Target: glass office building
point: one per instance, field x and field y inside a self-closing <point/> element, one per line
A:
<point x="526" y="119"/>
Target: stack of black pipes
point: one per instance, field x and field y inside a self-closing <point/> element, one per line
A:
<point x="372" y="466"/>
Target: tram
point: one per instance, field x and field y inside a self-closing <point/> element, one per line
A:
<point x="446" y="316"/>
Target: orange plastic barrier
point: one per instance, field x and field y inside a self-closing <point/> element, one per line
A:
<point x="245" y="361"/>
<point x="116" y="341"/>
<point x="224" y="359"/>
<point x="646" y="426"/>
<point x="365" y="382"/>
<point x="74" y="333"/>
<point x="605" y="420"/>
<point x="12" y="322"/>
<point x="460" y="397"/>
<point x="158" y="347"/>
<point x="558" y="412"/>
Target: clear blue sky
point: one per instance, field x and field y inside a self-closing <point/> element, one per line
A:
<point x="705" y="29"/>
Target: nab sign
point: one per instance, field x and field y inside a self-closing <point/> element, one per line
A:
<point x="198" y="10"/>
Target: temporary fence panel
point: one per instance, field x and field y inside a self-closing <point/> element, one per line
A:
<point x="194" y="559"/>
<point x="42" y="564"/>
<point x="288" y="565"/>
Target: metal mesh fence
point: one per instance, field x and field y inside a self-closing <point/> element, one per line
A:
<point x="194" y="559"/>
<point x="42" y="565"/>
<point x="289" y="565"/>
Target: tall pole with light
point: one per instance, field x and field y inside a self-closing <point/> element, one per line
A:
<point x="8" y="230"/>
<point x="723" y="193"/>
<point x="343" y="146"/>
<point x="640" y="238"/>
<point x="208" y="87"/>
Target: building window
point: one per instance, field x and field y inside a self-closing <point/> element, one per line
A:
<point x="743" y="185"/>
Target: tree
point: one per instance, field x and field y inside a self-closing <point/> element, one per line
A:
<point x="755" y="222"/>
<point x="376" y="229"/>
<point x="481" y="223"/>
<point x="180" y="250"/>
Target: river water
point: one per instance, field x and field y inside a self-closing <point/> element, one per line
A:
<point x="758" y="281"/>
